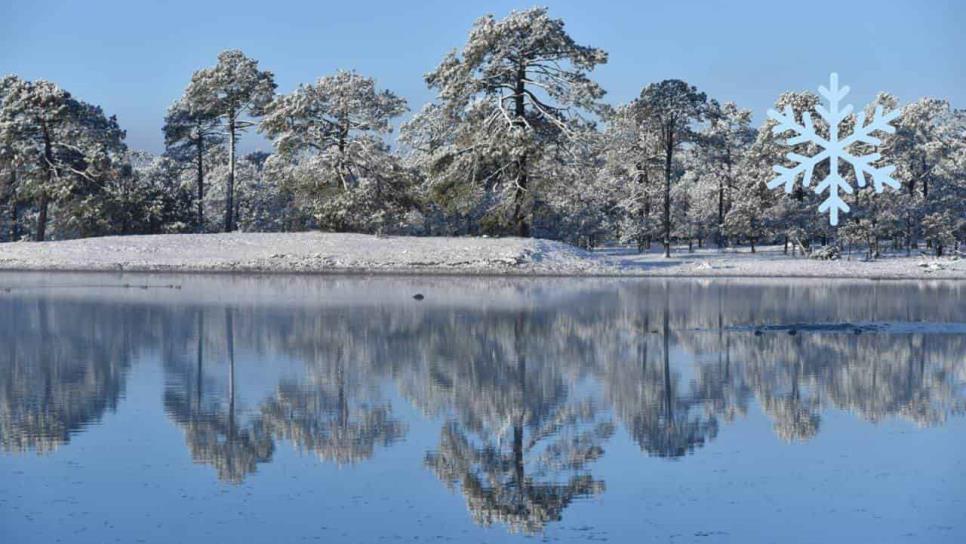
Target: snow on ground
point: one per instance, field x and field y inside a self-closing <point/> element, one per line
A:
<point x="770" y="261"/>
<point x="300" y="252"/>
<point x="327" y="252"/>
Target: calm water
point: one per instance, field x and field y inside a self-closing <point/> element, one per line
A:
<point x="138" y="408"/>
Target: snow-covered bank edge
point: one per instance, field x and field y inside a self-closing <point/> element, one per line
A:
<point x="326" y="253"/>
<point x="312" y="253"/>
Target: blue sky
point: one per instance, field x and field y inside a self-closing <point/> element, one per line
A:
<point x="135" y="57"/>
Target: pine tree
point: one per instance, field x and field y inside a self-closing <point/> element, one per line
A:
<point x="633" y="163"/>
<point x="793" y="214"/>
<point x="671" y="107"/>
<point x="723" y="144"/>
<point x="517" y="89"/>
<point x="233" y="91"/>
<point x="329" y="151"/>
<point x="188" y="134"/>
<point x="66" y="150"/>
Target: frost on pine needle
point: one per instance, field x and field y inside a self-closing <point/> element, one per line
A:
<point x="833" y="149"/>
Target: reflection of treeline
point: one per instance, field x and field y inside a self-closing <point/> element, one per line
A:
<point x="63" y="361"/>
<point x="706" y="305"/>
<point x="875" y="376"/>
<point x="528" y="394"/>
<point x="525" y="392"/>
<point x="616" y="338"/>
<point x="62" y="365"/>
<point x="335" y="411"/>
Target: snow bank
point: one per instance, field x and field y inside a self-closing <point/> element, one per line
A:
<point x="316" y="252"/>
<point x="301" y="252"/>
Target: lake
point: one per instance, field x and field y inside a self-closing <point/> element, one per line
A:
<point x="219" y="408"/>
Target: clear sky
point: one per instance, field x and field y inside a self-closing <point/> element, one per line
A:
<point x="135" y="57"/>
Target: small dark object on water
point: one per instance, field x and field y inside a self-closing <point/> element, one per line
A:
<point x="857" y="331"/>
<point x="757" y="332"/>
<point x="792" y="332"/>
<point x="418" y="296"/>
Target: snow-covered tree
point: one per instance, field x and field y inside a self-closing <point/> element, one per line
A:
<point x="695" y="198"/>
<point x="870" y="212"/>
<point x="928" y="138"/>
<point x="583" y="207"/>
<point x="188" y="134"/>
<point x="233" y="91"/>
<point x="633" y="163"/>
<point x="671" y="108"/>
<point x="792" y="214"/>
<point x="65" y="149"/>
<point x="155" y="201"/>
<point x="329" y="151"/>
<point x="918" y="144"/>
<point x="747" y="219"/>
<point x="262" y="204"/>
<point x="724" y="143"/>
<point x="939" y="229"/>
<point x="9" y="204"/>
<point x="517" y="89"/>
<point x="10" y="166"/>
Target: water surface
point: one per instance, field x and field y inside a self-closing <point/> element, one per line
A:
<point x="192" y="408"/>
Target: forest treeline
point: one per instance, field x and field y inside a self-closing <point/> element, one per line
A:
<point x="517" y="142"/>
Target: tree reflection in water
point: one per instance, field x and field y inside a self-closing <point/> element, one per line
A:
<point x="61" y="367"/>
<point x="327" y="415"/>
<point x="212" y="432"/>
<point x="518" y="448"/>
<point x="528" y="388"/>
<point x="665" y="417"/>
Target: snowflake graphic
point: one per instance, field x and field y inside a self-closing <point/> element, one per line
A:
<point x="833" y="149"/>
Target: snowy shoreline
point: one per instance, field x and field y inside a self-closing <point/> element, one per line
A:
<point x="327" y="253"/>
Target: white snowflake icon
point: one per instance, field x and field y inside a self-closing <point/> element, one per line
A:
<point x="833" y="149"/>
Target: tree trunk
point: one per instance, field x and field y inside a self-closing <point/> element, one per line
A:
<point x="647" y="218"/>
<point x="201" y="184"/>
<point x="668" y="155"/>
<point x="15" y="226"/>
<point x="909" y="234"/>
<point x="42" y="203"/>
<point x="720" y="213"/>
<point x="230" y="185"/>
<point x="43" y="199"/>
<point x="925" y="182"/>
<point x="521" y="224"/>
<point x="642" y="210"/>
